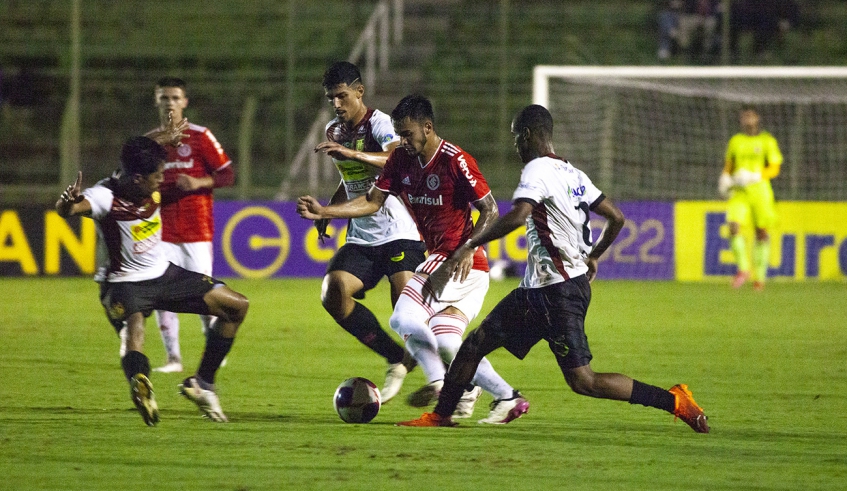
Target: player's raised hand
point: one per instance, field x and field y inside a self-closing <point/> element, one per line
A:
<point x="71" y="196"/>
<point x="72" y="192"/>
<point x="173" y="133"/>
<point x="309" y="208"/>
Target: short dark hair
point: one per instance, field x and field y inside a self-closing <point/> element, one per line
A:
<point x="415" y="107"/>
<point x="749" y="107"/>
<point x="341" y="72"/>
<point x="536" y="118"/>
<point x="171" y="82"/>
<point x="141" y="155"/>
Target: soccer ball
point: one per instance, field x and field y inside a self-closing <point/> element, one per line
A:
<point x="357" y="400"/>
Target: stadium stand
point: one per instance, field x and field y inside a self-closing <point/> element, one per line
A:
<point x="453" y="51"/>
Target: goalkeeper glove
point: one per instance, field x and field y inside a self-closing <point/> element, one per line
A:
<point x="725" y="182"/>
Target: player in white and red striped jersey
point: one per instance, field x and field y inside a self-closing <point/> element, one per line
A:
<point x="440" y="182"/>
<point x="136" y="277"/>
<point x="192" y="171"/>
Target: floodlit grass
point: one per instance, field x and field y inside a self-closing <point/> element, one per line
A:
<point x="769" y="369"/>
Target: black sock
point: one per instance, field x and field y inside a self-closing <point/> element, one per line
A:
<point x="652" y="396"/>
<point x="135" y="362"/>
<point x="363" y="324"/>
<point x="451" y="392"/>
<point x="216" y="350"/>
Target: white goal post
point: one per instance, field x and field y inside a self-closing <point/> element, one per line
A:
<point x="661" y="132"/>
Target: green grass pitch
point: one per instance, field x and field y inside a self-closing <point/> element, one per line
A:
<point x="769" y="368"/>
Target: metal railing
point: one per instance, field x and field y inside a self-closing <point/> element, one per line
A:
<point x="370" y="53"/>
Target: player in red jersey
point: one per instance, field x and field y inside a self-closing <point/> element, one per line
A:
<point x="192" y="171"/>
<point x="441" y="182"/>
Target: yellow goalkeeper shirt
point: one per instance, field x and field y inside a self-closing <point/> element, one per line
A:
<point x="758" y="154"/>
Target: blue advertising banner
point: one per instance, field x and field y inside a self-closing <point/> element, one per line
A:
<point x="269" y="239"/>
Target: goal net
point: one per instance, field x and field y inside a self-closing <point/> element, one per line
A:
<point x="660" y="133"/>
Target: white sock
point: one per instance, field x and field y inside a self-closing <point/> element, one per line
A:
<point x="409" y="321"/>
<point x="491" y="381"/>
<point x="169" y="328"/>
<point x="448" y="330"/>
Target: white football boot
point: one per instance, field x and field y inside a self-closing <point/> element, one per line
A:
<point x="466" y="404"/>
<point x="394" y="377"/>
<point x="205" y="399"/>
<point x="505" y="410"/>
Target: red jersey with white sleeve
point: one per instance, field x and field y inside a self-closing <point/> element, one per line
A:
<point x="439" y="194"/>
<point x="187" y="216"/>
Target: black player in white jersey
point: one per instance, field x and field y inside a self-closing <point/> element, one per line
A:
<point x="553" y="200"/>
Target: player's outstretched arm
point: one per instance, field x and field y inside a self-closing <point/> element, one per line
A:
<point x="340" y="152"/>
<point x="309" y="208"/>
<point x="72" y="202"/>
<point x="614" y="223"/>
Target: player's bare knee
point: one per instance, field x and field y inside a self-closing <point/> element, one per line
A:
<point x="227" y="304"/>
<point x="335" y="298"/>
<point x="238" y="306"/>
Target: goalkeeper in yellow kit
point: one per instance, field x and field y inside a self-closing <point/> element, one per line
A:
<point x="752" y="160"/>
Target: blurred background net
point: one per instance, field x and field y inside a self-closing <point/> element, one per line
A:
<point x="664" y="138"/>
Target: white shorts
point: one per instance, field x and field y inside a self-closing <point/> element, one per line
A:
<point x="467" y="296"/>
<point x="193" y="256"/>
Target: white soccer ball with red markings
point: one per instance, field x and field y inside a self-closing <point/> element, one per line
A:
<point x="357" y="400"/>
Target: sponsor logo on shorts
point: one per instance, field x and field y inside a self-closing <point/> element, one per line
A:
<point x="116" y="311"/>
<point x="398" y="257"/>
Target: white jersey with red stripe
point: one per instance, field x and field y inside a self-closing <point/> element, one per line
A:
<point x="392" y="221"/>
<point x="187" y="215"/>
<point x="558" y="231"/>
<point x="129" y="235"/>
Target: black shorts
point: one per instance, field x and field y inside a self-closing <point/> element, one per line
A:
<point x="371" y="263"/>
<point x="178" y="290"/>
<point x="555" y="313"/>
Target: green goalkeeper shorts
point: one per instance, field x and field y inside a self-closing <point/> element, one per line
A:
<point x="753" y="204"/>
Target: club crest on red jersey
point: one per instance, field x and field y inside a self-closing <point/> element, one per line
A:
<point x="433" y="182"/>
<point x="183" y="150"/>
